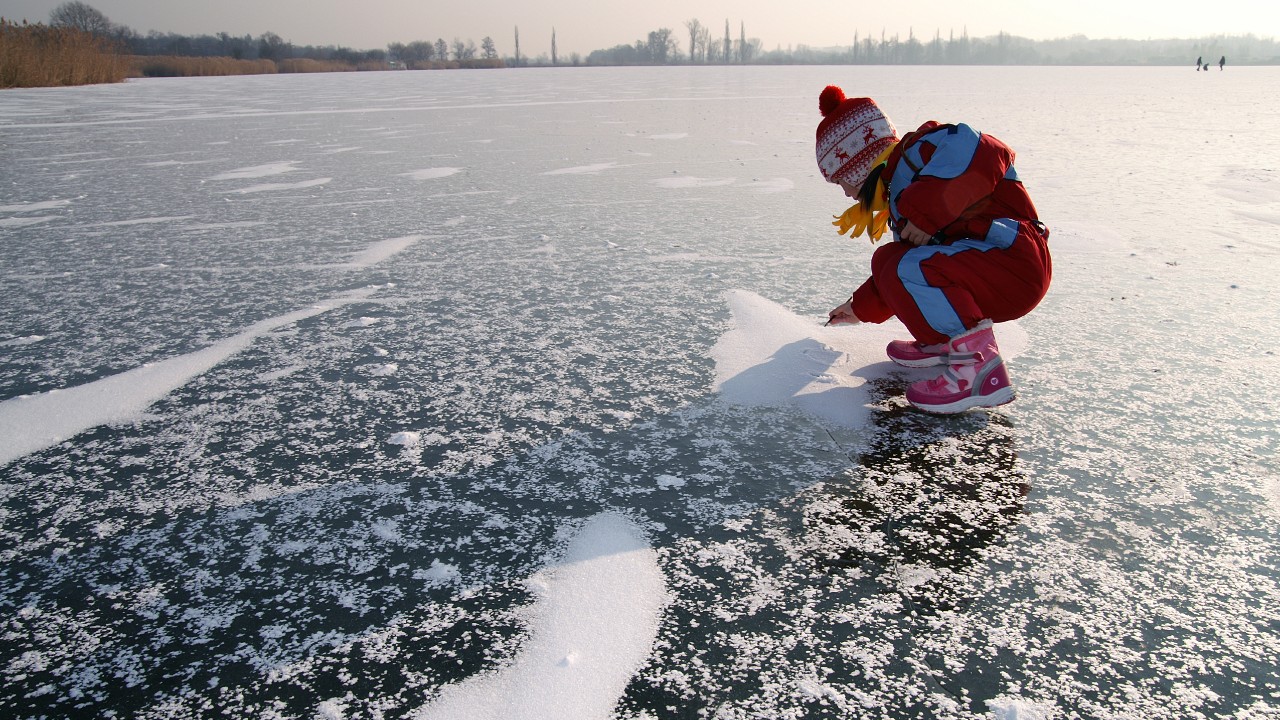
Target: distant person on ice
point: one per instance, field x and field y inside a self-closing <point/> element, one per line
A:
<point x="968" y="249"/>
<point x="1199" y="62"/>
<point x="1222" y="61"/>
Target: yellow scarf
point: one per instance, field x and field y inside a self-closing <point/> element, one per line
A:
<point x="873" y="220"/>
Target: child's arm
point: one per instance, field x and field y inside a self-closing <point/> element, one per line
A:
<point x="961" y="168"/>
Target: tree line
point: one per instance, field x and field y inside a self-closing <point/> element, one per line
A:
<point x="157" y="53"/>
<point x="270" y="46"/>
<point x="665" y="47"/>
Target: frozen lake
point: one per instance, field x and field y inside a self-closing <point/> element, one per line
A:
<point x="505" y="394"/>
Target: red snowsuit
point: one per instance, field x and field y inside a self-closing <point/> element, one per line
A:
<point x="989" y="257"/>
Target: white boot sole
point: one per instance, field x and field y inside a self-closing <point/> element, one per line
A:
<point x="924" y="363"/>
<point x="1000" y="397"/>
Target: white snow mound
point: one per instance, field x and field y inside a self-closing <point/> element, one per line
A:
<point x="592" y="629"/>
<point x="772" y="356"/>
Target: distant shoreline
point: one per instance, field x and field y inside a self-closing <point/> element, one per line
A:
<point x="60" y="55"/>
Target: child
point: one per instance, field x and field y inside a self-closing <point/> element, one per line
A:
<point x="968" y="248"/>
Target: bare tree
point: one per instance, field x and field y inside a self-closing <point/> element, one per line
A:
<point x="411" y="55"/>
<point x="517" y="46"/>
<point x="660" y="45"/>
<point x="273" y="47"/>
<point x="488" y="48"/>
<point x="704" y="43"/>
<point x="80" y="16"/>
<point x="747" y="49"/>
<point x="442" y="50"/>
<point x="553" y="46"/>
<point x="728" y="44"/>
<point x="694" y="27"/>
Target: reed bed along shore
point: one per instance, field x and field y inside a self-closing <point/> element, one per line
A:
<point x="42" y="56"/>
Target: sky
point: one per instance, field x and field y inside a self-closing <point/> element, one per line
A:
<point x="584" y="25"/>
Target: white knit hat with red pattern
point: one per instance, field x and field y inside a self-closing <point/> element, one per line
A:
<point x="852" y="134"/>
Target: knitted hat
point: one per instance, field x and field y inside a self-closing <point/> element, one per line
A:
<point x="852" y="134"/>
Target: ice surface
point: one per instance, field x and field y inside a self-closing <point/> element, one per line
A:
<point x="433" y="173"/>
<point x="586" y="302"/>
<point x="270" y="187"/>
<point x="772" y="356"/>
<point x="35" y="422"/>
<point x="258" y="171"/>
<point x="592" y="627"/>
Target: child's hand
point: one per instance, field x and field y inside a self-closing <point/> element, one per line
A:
<point x="843" y="315"/>
<point x="914" y="235"/>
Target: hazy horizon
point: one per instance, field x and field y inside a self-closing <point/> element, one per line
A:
<point x="582" y="27"/>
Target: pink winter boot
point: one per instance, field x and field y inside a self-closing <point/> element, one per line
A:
<point x="974" y="376"/>
<point x="915" y="354"/>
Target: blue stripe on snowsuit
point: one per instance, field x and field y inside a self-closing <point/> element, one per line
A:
<point x="932" y="302"/>
<point x="954" y="148"/>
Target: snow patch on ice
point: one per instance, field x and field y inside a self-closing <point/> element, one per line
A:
<point x="772" y="356"/>
<point x="1012" y="708"/>
<point x="34" y="422"/>
<point x="20" y="341"/>
<point x="593" y="627"/>
<point x="438" y="574"/>
<point x="34" y="206"/>
<point x="432" y="173"/>
<point x="24" y="222"/>
<point x="201" y="227"/>
<point x="407" y="438"/>
<point x="142" y="221"/>
<point x="667" y="482"/>
<point x="819" y="690"/>
<point x="268" y="187"/>
<point x="333" y="709"/>
<point x="1271" y="491"/>
<point x="258" y="171"/>
<point x="381" y="251"/>
<point x="584" y="169"/>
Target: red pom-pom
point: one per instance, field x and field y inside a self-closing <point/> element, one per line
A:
<point x="830" y="99"/>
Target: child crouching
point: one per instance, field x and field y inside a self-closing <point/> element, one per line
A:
<point x="968" y="247"/>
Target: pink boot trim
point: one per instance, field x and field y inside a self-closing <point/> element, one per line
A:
<point x="975" y="376"/>
<point x="915" y="354"/>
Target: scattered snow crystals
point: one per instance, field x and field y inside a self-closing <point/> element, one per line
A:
<point x="387" y="530"/>
<point x="1012" y="708"/>
<point x="319" y="427"/>
<point x="384" y="370"/>
<point x="407" y="438"/>
<point x="331" y="710"/>
<point x="438" y="574"/>
<point x="668" y="482"/>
